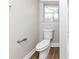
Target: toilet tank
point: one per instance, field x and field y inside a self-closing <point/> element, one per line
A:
<point x="48" y="34"/>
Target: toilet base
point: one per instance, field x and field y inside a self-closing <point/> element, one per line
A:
<point x="44" y="54"/>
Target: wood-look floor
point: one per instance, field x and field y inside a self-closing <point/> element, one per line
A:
<point x="53" y="54"/>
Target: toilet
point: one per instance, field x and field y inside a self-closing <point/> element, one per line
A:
<point x="43" y="47"/>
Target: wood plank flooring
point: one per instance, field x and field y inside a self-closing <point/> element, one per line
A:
<point x="53" y="54"/>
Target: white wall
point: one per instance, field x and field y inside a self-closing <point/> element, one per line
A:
<point x="63" y="28"/>
<point x="49" y="0"/>
<point x="24" y="23"/>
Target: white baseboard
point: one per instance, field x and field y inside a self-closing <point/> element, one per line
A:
<point x="29" y="54"/>
<point x="54" y="44"/>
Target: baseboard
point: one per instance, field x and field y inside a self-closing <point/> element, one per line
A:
<point x="54" y="44"/>
<point x="29" y="54"/>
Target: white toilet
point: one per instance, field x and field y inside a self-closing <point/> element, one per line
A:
<point x="44" y="46"/>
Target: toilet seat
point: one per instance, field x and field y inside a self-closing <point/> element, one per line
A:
<point x="42" y="45"/>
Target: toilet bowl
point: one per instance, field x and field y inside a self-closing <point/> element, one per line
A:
<point x="44" y="46"/>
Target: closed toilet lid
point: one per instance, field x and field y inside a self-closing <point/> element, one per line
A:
<point x="43" y="44"/>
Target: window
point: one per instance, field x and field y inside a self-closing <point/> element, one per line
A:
<point x="50" y="13"/>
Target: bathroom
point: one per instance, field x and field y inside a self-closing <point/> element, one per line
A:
<point x="30" y="22"/>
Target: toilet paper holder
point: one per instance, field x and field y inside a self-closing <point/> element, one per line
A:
<point x="20" y="41"/>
